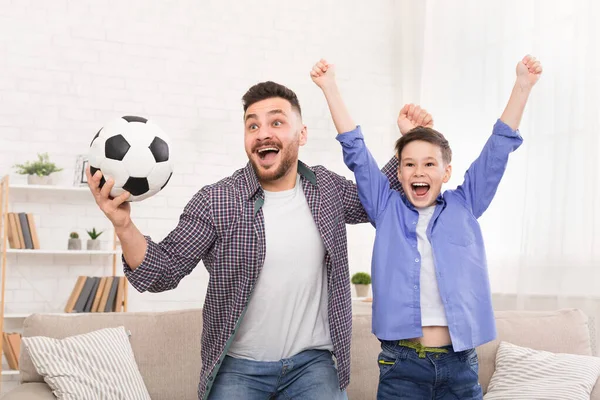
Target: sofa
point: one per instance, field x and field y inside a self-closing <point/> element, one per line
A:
<point x="166" y="346"/>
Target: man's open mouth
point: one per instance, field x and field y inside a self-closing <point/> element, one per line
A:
<point x="420" y="189"/>
<point x="267" y="153"/>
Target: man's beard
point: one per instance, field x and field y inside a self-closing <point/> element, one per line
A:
<point x="288" y="159"/>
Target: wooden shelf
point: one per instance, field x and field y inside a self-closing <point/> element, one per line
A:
<point x="61" y="252"/>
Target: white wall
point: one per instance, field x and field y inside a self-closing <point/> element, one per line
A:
<point x="66" y="67"/>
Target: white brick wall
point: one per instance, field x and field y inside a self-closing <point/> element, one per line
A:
<point x="68" y="66"/>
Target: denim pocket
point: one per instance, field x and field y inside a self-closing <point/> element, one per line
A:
<point x="387" y="362"/>
<point x="473" y="361"/>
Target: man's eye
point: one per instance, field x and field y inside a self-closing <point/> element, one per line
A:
<point x="252" y="126"/>
<point x="277" y="123"/>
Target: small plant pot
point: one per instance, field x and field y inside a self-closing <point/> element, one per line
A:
<point x="93" y="244"/>
<point x="74" y="244"/>
<point x="39" y="180"/>
<point x="362" y="290"/>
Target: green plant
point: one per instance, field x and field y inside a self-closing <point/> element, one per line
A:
<point x="93" y="234"/>
<point x="74" y="235"/>
<point x="361" y="278"/>
<point x="41" y="167"/>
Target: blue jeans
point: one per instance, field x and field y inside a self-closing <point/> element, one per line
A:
<point x="308" y="375"/>
<point x="443" y="374"/>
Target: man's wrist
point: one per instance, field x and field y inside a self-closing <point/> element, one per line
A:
<point x="123" y="230"/>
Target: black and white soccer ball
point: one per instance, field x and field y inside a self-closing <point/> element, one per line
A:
<point x="135" y="153"/>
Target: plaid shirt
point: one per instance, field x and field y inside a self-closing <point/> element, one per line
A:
<point x="223" y="226"/>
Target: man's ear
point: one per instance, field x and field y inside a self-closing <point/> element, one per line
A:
<point x="448" y="173"/>
<point x="303" y="135"/>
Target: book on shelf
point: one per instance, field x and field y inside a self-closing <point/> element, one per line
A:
<point x="97" y="294"/>
<point x="22" y="233"/>
<point x="11" y="347"/>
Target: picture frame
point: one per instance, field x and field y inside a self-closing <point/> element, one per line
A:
<point x="80" y="178"/>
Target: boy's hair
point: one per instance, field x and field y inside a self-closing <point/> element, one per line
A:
<point x="427" y="135"/>
<point x="267" y="90"/>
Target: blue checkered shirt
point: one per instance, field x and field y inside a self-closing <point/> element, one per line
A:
<point x="223" y="226"/>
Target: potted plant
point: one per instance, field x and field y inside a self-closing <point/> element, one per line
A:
<point x="38" y="172"/>
<point x="93" y="243"/>
<point x="74" y="241"/>
<point x="361" y="281"/>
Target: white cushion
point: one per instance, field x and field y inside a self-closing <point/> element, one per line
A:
<point x="95" y="365"/>
<point x="523" y="373"/>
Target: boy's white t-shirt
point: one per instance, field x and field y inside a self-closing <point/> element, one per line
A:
<point x="433" y="312"/>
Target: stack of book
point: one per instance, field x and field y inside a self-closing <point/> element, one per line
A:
<point x="97" y="294"/>
<point x="22" y="233"/>
<point x="11" y="346"/>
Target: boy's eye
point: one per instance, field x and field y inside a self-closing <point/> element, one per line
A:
<point x="409" y="165"/>
<point x="430" y="164"/>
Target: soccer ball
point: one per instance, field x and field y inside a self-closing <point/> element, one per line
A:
<point x="135" y="153"/>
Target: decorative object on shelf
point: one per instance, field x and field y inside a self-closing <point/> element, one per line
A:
<point x="361" y="281"/>
<point x="22" y="232"/>
<point x="97" y="294"/>
<point x="80" y="178"/>
<point x="135" y="153"/>
<point x="74" y="241"/>
<point x="38" y="172"/>
<point x="93" y="243"/>
<point x="11" y="347"/>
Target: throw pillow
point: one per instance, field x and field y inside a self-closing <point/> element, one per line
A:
<point x="95" y="365"/>
<point x="524" y="373"/>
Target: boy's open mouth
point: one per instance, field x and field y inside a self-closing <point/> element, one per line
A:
<point x="420" y="189"/>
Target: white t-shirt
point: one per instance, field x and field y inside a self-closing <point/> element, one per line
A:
<point x="288" y="308"/>
<point x="433" y="312"/>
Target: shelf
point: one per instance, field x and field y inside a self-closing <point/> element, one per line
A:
<point x="50" y="188"/>
<point x="62" y="252"/>
<point x="16" y="315"/>
<point x="10" y="372"/>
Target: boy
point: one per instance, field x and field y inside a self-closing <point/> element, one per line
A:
<point x="432" y="302"/>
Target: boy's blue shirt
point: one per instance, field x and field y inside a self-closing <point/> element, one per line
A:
<point x="456" y="241"/>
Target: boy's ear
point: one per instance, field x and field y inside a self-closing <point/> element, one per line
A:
<point x="447" y="173"/>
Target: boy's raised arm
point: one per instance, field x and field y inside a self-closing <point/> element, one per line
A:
<point x="529" y="71"/>
<point x="485" y="173"/>
<point x="373" y="186"/>
<point x="323" y="75"/>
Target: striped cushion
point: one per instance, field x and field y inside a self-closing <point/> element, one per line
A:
<point x="523" y="373"/>
<point x="95" y="365"/>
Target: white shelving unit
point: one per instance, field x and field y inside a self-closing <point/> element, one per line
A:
<point x="8" y="255"/>
<point x="62" y="252"/>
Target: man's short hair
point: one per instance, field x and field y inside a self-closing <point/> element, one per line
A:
<point x="267" y="90"/>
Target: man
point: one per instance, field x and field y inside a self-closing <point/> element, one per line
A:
<point x="273" y="239"/>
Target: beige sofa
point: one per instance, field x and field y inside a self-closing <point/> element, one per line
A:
<point x="167" y="347"/>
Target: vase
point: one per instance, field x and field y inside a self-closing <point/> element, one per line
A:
<point x="93" y="244"/>
<point x="362" y="290"/>
<point x="74" y="244"/>
<point x="39" y="180"/>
